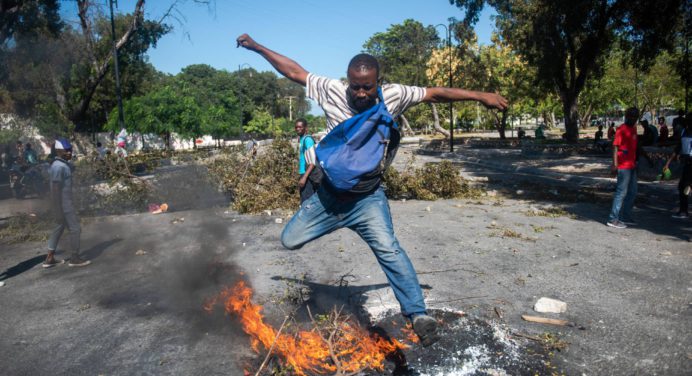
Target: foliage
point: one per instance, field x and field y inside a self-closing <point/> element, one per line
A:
<point x="58" y="73"/>
<point x="29" y="18"/>
<point x="267" y="182"/>
<point x="109" y="186"/>
<point x="567" y="41"/>
<point x="402" y="51"/>
<point x="430" y="182"/>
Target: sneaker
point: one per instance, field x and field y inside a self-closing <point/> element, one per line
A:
<point x="425" y="328"/>
<point x="49" y="264"/>
<point x="76" y="261"/>
<point x="681" y="215"/>
<point x="617" y="224"/>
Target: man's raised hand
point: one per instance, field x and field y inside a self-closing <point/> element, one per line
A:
<point x="246" y="41"/>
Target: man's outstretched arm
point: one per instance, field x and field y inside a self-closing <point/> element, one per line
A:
<point x="447" y="94"/>
<point x="287" y="67"/>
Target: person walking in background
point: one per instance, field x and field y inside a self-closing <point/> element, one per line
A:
<point x="306" y="161"/>
<point x="683" y="151"/>
<point x="624" y="165"/>
<point x="64" y="211"/>
<point x="121" y="143"/>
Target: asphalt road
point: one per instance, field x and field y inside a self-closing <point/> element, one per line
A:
<point x="142" y="314"/>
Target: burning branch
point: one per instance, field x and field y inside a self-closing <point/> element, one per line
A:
<point x="269" y="353"/>
<point x="335" y="345"/>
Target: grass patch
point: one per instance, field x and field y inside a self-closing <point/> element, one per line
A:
<point x="504" y="232"/>
<point x="25" y="228"/>
<point x="550" y="212"/>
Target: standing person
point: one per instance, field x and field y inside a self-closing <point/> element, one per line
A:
<point x="611" y="131"/>
<point x="30" y="156"/>
<point x="598" y="136"/>
<point x="364" y="208"/>
<point x="7" y="158"/>
<point x="306" y="166"/>
<point x="19" y="150"/>
<point x="648" y="138"/>
<point x="678" y="125"/>
<point x="121" y="142"/>
<point x="521" y="133"/>
<point x="683" y="151"/>
<point x="63" y="208"/>
<point x="625" y="165"/>
<point x="662" y="131"/>
<point x="100" y="151"/>
<point x="538" y="132"/>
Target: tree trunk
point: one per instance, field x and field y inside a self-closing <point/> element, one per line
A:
<point x="436" y="121"/>
<point x="585" y="119"/>
<point x="99" y="68"/>
<point x="502" y="125"/>
<point x="570" y="108"/>
<point x="405" y="127"/>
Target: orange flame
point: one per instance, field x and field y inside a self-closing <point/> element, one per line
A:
<point x="349" y="349"/>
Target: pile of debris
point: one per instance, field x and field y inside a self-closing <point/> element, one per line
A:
<point x="431" y="182"/>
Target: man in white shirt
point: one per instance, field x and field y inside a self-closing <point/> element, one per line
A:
<point x="366" y="212"/>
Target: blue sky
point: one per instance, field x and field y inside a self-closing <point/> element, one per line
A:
<point x="321" y="35"/>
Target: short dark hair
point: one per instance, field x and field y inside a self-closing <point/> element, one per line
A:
<point x="302" y="120"/>
<point x="98" y="144"/>
<point x="366" y="61"/>
<point x="631" y="116"/>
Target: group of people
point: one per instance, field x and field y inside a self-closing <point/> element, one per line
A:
<point x="325" y="208"/>
<point x="627" y="148"/>
<point x="652" y="135"/>
<point x="24" y="156"/>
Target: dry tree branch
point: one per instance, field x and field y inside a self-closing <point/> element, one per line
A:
<point x="271" y="348"/>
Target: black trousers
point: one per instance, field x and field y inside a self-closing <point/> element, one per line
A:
<point x="308" y="190"/>
<point x="685" y="181"/>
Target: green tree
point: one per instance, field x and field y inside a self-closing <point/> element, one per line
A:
<point x="402" y="51"/>
<point x="29" y="18"/>
<point x="567" y="41"/>
<point x="261" y="122"/>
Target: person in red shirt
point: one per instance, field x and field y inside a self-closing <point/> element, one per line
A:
<point x="624" y="164"/>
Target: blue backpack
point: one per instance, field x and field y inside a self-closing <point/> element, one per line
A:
<point x="352" y="156"/>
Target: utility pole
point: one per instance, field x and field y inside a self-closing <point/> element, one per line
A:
<point x="451" y="113"/>
<point x="290" y="107"/>
<point x="118" y="94"/>
<point x="448" y="30"/>
<point x="240" y="98"/>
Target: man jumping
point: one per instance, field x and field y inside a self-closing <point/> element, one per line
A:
<point x="366" y="211"/>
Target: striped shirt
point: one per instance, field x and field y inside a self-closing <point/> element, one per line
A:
<point x="330" y="94"/>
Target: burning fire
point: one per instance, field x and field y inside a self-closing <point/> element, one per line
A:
<point x="335" y="346"/>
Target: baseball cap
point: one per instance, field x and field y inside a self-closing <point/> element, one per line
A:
<point x="63" y="144"/>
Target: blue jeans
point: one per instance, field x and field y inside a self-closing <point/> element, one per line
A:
<point x="625" y="193"/>
<point x="369" y="216"/>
